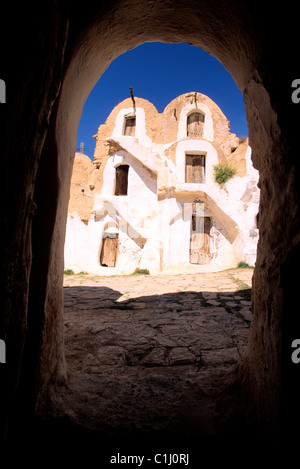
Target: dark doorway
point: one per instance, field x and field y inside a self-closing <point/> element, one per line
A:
<point x="121" y="180"/>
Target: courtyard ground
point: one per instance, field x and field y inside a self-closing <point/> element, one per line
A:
<point x="154" y="352"/>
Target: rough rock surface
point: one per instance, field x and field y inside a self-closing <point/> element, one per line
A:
<point x="58" y="63"/>
<point x="153" y="352"/>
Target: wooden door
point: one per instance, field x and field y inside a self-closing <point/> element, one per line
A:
<point x="195" y="169"/>
<point x="200" y="240"/>
<point x="109" y="249"/>
<point x="195" y="124"/>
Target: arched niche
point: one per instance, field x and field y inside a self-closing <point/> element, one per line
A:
<point x="195" y="124"/>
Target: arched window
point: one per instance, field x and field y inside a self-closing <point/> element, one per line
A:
<point x="195" y="123"/>
<point x="121" y="179"/>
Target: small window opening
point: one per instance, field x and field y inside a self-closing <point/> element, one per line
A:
<point x="129" y="128"/>
<point x="121" y="180"/>
<point x="195" y="123"/>
<point x="195" y="169"/>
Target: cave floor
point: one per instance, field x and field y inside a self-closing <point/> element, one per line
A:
<point x="153" y="353"/>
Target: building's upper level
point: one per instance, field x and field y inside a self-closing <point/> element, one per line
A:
<point x="176" y="150"/>
<point x="189" y="116"/>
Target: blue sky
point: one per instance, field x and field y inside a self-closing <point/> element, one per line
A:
<point x="159" y="73"/>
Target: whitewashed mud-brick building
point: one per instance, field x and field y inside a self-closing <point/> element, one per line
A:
<point x="149" y="200"/>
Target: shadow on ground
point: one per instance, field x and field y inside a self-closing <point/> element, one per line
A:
<point x="164" y="363"/>
<point x="155" y="374"/>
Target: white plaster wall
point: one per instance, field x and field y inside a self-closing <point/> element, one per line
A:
<point x="195" y="146"/>
<point x="175" y="228"/>
<point x="140" y="124"/>
<point x="208" y="130"/>
<point x="244" y="196"/>
<point x="146" y="155"/>
<point x="164" y="224"/>
<point x="172" y="229"/>
<point x="238" y="198"/>
<point x="134" y="215"/>
<point x="131" y="216"/>
<point x="252" y="173"/>
<point x="81" y="245"/>
<point x="150" y="258"/>
<point x="140" y="181"/>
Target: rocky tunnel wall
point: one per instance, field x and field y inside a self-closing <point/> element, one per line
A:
<point x="62" y="51"/>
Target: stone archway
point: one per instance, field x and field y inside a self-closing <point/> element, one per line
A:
<point x="53" y="80"/>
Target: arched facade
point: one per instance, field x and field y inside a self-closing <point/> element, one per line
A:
<point x="152" y="180"/>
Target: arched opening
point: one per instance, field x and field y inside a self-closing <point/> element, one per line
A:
<point x="243" y="48"/>
<point x="108" y="261"/>
<point x="160" y="140"/>
<point x="200" y="245"/>
<point x="195" y="124"/>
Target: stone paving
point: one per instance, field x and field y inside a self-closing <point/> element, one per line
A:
<point x="154" y="351"/>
